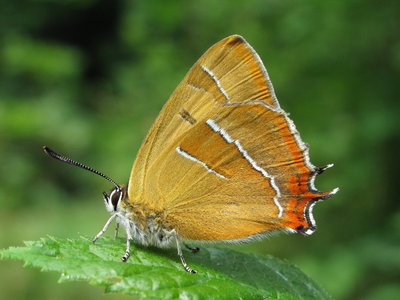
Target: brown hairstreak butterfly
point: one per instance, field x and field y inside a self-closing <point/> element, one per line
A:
<point x="222" y="162"/>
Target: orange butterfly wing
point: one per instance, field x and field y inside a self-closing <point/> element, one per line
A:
<point x="235" y="61"/>
<point x="223" y="161"/>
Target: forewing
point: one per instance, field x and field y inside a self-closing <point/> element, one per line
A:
<point x="230" y="71"/>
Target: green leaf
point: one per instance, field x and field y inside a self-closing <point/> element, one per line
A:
<point x="155" y="273"/>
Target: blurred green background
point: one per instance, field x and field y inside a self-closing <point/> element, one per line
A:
<point x="88" y="78"/>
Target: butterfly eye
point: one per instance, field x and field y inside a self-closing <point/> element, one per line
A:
<point x="115" y="197"/>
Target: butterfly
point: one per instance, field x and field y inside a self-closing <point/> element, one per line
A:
<point x="223" y="162"/>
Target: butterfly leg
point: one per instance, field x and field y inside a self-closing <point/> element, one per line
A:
<point x="125" y="257"/>
<point x="104" y="228"/>
<point x="193" y="249"/>
<point x="116" y="229"/>
<point x="183" y="261"/>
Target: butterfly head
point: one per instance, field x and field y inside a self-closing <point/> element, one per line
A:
<point x="113" y="199"/>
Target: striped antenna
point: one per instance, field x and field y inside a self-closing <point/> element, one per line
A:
<point x="67" y="160"/>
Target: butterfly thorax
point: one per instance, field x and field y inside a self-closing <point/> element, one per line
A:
<point x="144" y="225"/>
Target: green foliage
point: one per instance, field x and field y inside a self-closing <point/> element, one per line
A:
<point x="222" y="273"/>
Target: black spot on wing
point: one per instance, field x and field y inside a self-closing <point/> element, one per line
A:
<point x="185" y="115"/>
